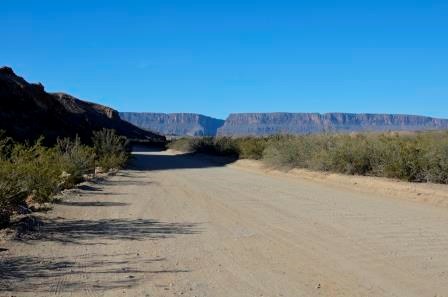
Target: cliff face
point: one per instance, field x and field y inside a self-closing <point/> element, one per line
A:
<point x="258" y="124"/>
<point x="28" y="112"/>
<point x="179" y="124"/>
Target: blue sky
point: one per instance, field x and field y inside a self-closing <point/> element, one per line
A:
<point x="217" y="57"/>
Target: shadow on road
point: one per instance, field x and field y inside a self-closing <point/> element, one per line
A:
<point x="86" y="273"/>
<point x="92" y="232"/>
<point x="144" y="158"/>
<point x="92" y="203"/>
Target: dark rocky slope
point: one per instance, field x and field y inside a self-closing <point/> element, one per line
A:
<point x="28" y="112"/>
<point x="258" y="124"/>
<point x="179" y="124"/>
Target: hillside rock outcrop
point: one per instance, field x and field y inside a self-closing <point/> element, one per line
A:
<point x="27" y="112"/>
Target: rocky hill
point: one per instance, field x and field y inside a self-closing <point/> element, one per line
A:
<point x="179" y="124"/>
<point x="242" y="124"/>
<point x="27" y="112"/>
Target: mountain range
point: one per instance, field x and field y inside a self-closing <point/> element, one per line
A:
<point x="27" y="112"/>
<point x="262" y="124"/>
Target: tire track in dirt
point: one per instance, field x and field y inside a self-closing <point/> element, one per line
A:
<point x="254" y="235"/>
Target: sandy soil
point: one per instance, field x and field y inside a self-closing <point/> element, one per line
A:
<point x="436" y="194"/>
<point x="177" y="225"/>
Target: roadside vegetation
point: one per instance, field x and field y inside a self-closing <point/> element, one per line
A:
<point x="35" y="173"/>
<point x="415" y="157"/>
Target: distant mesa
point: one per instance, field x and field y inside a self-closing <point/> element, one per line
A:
<point x="174" y="124"/>
<point x="27" y="112"/>
<point x="258" y="124"/>
<point x="263" y="124"/>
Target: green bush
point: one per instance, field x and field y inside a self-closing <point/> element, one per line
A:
<point x="298" y="151"/>
<point x="6" y="146"/>
<point x="284" y="152"/>
<point x="75" y="159"/>
<point x="39" y="172"/>
<point x="12" y="191"/>
<point x="350" y="155"/>
<point x="223" y="146"/>
<point x="418" y="157"/>
<point x="110" y="149"/>
<point x="183" y="145"/>
<point x="251" y="147"/>
<point x="436" y="163"/>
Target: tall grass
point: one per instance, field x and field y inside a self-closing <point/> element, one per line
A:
<point x="417" y="157"/>
<point x="36" y="172"/>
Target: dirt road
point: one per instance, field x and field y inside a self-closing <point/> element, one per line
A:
<point x="177" y="225"/>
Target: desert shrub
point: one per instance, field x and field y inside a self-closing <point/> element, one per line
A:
<point x="399" y="157"/>
<point x="350" y="155"/>
<point x="223" y="146"/>
<point x="417" y="157"/>
<point x="202" y="145"/>
<point x="392" y="162"/>
<point x="283" y="151"/>
<point x="110" y="149"/>
<point x="6" y="146"/>
<point x="38" y="169"/>
<point x="251" y="147"/>
<point x="39" y="172"/>
<point x="12" y="191"/>
<point x="294" y="151"/>
<point x="182" y="144"/>
<point x="75" y="159"/>
<point x="436" y="163"/>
